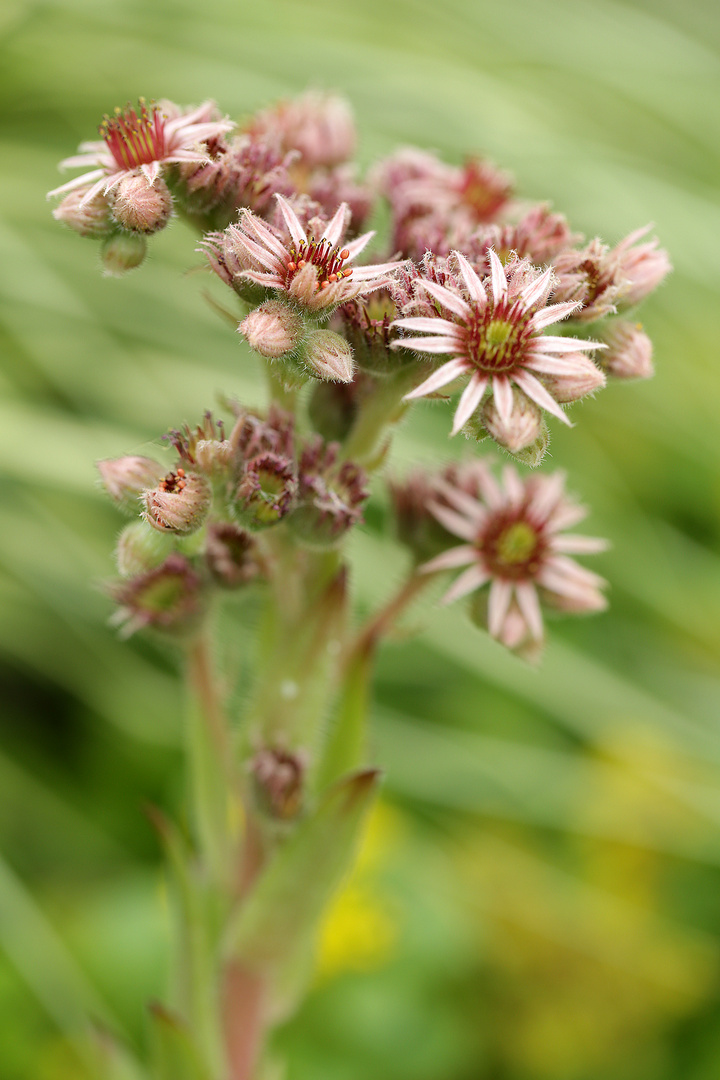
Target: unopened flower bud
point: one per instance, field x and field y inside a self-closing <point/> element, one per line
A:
<point x="578" y="384"/>
<point x="140" y="206"/>
<point x="179" y="504"/>
<point x="629" y="355"/>
<point x="126" y="478"/>
<point x="230" y="553"/>
<point x="170" y="597"/>
<point x="330" y="497"/>
<point x="278" y="782"/>
<point x="122" y="251"/>
<point x="92" y="218"/>
<point x="521" y="429"/>
<point x="140" y="548"/>
<point x="328" y="356"/>
<point x="266" y="491"/>
<point x="273" y="329"/>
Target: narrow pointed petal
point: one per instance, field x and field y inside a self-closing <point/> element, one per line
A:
<point x="499" y="281"/>
<point x="550" y="344"/>
<point x="265" y="236"/>
<point x="359" y="244"/>
<point x="559" y="365"/>
<point x="444" y="375"/>
<point x="448" y="299"/>
<point x="463" y="502"/>
<point x="469" y="401"/>
<point x="453" y="522"/>
<point x="336" y="227"/>
<point x="566" y="516"/>
<point x="552" y="314"/>
<point x="548" y="495"/>
<point x="534" y="292"/>
<point x="513" y="485"/>
<point x="539" y="394"/>
<point x="429" y="324"/>
<point x="365" y="273"/>
<point x="429" y="344"/>
<point x="260" y="254"/>
<point x="502" y="392"/>
<point x="271" y="281"/>
<point x="529" y="605"/>
<point x="473" y="284"/>
<point x="472" y="579"/>
<point x="498" y="604"/>
<point x="574" y="571"/>
<point x="151" y="171"/>
<point x="291" y="220"/>
<point x="450" y="560"/>
<point x="570" y="544"/>
<point x="79" y="181"/>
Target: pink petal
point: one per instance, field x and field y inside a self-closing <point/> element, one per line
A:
<point x="448" y="299"/>
<point x="454" y="522"/>
<point x="79" y="181"/>
<point x="429" y="344"/>
<point x="499" y="280"/>
<point x="431" y="324"/>
<point x="529" y="605"/>
<point x="444" y="375"/>
<point x="573" y="571"/>
<point x="337" y="226"/>
<point x="272" y="281"/>
<point x="558" y="365"/>
<point x="463" y="502"/>
<point x="358" y="245"/>
<point x="570" y="544"/>
<point x="539" y="394"/>
<point x="365" y="273"/>
<point x="498" y="604"/>
<point x="549" y="344"/>
<point x="291" y="220"/>
<point x="264" y="235"/>
<point x="513" y="484"/>
<point x="536" y="289"/>
<point x="548" y="495"/>
<point x="255" y="251"/>
<point x="552" y="314"/>
<point x="469" y="401"/>
<point x="473" y="284"/>
<point x="502" y="392"/>
<point x="450" y="560"/>
<point x="468" y="582"/>
<point x="151" y="171"/>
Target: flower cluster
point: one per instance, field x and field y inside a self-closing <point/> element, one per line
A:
<point x="474" y="290"/>
<point x="227" y="492"/>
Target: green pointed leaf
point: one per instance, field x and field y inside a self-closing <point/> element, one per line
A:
<point x="283" y="910"/>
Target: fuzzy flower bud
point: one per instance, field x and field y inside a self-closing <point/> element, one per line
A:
<point x="122" y="251"/>
<point x="89" y="218"/>
<point x="266" y="491"/>
<point x="629" y="355"/>
<point x="273" y="329"/>
<point x="278" y="782"/>
<point x="230" y="553"/>
<point x="140" y="548"/>
<point x="179" y="503"/>
<point x="330" y="497"/>
<point x="518" y="431"/>
<point x="329" y="357"/>
<point x="579" y="383"/>
<point x="167" y="598"/>
<point x="140" y="206"/>
<point x="125" y="478"/>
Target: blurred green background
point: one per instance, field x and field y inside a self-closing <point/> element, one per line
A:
<point x="539" y="893"/>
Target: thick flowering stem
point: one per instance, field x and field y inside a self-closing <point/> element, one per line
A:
<point x="280" y="393"/>
<point x="208" y="760"/>
<point x="366" y="442"/>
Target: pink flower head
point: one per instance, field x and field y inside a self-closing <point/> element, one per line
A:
<point x="314" y="273"/>
<point x="143" y="139"/>
<point x="496" y="337"/>
<point x="514" y="541"/>
<point x="320" y="126"/>
<point x="644" y="266"/>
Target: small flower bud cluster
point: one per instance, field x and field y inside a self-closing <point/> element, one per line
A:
<point x="201" y="525"/>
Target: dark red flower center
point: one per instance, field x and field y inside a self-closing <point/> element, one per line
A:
<point x="512" y="547"/>
<point x="329" y="260"/>
<point x="135" y="136"/>
<point x="497" y="337"/>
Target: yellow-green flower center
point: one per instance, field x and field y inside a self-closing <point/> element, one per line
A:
<point x="515" y="547"/>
